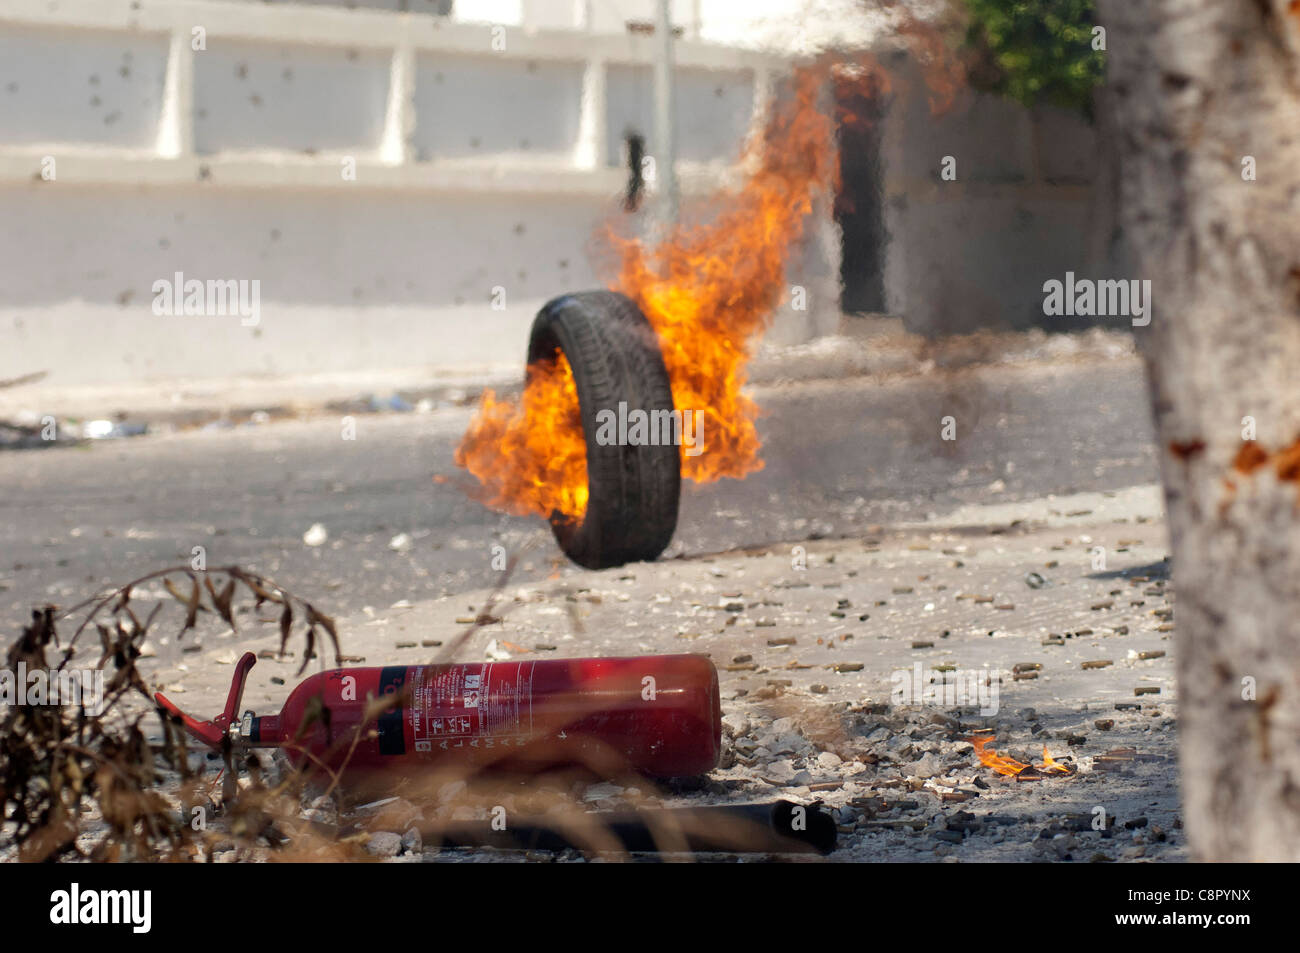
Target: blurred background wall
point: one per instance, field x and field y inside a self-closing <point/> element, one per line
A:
<point x="409" y="180"/>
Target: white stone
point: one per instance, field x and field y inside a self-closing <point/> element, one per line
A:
<point x="384" y="844"/>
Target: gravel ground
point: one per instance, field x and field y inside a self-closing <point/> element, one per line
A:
<point x="817" y="643"/>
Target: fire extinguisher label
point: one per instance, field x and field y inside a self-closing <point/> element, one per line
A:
<point x="392" y="738"/>
<point x="480" y="706"/>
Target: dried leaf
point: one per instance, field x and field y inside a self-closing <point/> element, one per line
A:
<point x="106" y="641"/>
<point x="223" y="603"/>
<point x="286" y="620"/>
<point x="310" y="654"/>
<point x="221" y="600"/>
<point x="315" y="617"/>
<point x="192" y="605"/>
<point x="176" y="593"/>
<point x="263" y="594"/>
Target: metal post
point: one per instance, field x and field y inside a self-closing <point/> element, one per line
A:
<point x="665" y="120"/>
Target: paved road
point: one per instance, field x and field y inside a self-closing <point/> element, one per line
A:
<point x="841" y="456"/>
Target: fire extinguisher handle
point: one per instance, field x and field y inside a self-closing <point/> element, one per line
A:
<point x="213" y="732"/>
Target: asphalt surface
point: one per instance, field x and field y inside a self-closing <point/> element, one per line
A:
<point x="841" y="456"/>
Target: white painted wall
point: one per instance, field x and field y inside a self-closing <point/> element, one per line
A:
<point x="472" y="106"/>
<point x="127" y="155"/>
<point x="366" y="280"/>
<point x="83" y="86"/>
<point x="716" y="111"/>
<point x="476" y="168"/>
<point x="261" y="96"/>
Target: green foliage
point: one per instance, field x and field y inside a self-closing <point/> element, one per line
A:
<point x="1036" y="51"/>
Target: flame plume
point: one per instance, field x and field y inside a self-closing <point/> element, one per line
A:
<point x="708" y="291"/>
<point x="531" y="457"/>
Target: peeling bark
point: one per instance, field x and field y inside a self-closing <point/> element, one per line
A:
<point x="1196" y="86"/>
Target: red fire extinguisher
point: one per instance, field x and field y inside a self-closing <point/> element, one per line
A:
<point x="656" y="715"/>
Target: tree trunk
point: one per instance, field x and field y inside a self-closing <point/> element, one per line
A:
<point x="1197" y="86"/>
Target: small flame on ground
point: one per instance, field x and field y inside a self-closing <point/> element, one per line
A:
<point x="1051" y="765"/>
<point x="1010" y="766"/>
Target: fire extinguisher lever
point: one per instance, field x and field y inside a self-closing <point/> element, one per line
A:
<point x="213" y="732"/>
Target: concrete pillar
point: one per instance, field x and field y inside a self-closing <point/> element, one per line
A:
<point x="590" y="151"/>
<point x="399" y="116"/>
<point x="176" y="126"/>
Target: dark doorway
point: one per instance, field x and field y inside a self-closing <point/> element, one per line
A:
<point x="858" y="211"/>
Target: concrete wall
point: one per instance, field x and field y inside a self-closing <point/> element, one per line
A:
<point x="487" y="149"/>
<point x="406" y="191"/>
<point x="975" y="252"/>
<point x="364" y="280"/>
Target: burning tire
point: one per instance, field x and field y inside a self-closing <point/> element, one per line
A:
<point x="633" y="490"/>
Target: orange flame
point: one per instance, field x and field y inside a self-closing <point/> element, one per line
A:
<point x="1010" y="766"/>
<point x="1051" y="765"/>
<point x="707" y="291"/>
<point x="999" y="763"/>
<point x="531" y="457"/>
